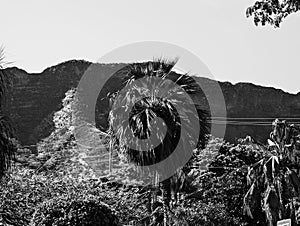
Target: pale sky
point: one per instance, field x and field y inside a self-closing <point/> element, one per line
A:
<point x="37" y="34"/>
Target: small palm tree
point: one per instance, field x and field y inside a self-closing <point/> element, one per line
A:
<point x="7" y="148"/>
<point x="140" y="115"/>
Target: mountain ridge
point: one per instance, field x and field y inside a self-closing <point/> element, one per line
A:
<point x="89" y="62"/>
<point x="36" y="96"/>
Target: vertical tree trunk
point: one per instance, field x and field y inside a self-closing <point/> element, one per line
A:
<point x="166" y="195"/>
<point x="110" y="156"/>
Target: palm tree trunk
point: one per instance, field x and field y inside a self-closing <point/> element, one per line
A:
<point x="166" y="196"/>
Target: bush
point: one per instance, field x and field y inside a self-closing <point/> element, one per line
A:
<point x="205" y="214"/>
<point x="74" y="210"/>
<point x="218" y="192"/>
<point x="24" y="194"/>
<point x="23" y="190"/>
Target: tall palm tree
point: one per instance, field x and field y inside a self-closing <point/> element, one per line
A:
<point x="7" y="148"/>
<point x="150" y="106"/>
<point x="142" y="113"/>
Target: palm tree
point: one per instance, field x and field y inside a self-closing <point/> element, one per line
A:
<point x="7" y="148"/>
<point x="142" y="113"/>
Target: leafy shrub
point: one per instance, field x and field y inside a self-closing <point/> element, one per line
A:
<point x="238" y="156"/>
<point x="22" y="191"/>
<point x="220" y="189"/>
<point x="74" y="210"/>
<point x="205" y="214"/>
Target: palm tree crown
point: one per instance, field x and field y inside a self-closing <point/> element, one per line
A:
<point x="152" y="90"/>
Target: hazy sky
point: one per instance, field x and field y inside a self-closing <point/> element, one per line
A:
<point x="37" y="34"/>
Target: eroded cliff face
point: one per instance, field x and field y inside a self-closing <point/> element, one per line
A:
<point x="35" y="97"/>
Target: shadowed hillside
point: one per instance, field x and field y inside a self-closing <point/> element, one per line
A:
<point x="36" y="96"/>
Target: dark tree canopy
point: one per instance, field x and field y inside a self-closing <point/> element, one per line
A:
<point x="272" y="11"/>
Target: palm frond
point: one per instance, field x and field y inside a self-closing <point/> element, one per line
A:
<point x="4" y="78"/>
<point x="163" y="106"/>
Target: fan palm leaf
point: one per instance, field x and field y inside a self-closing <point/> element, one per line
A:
<point x="155" y="105"/>
<point x="3" y="78"/>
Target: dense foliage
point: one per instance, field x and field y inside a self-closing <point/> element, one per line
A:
<point x="221" y="189"/>
<point x="74" y="209"/>
<point x="222" y="184"/>
<point x="273" y="181"/>
<point x="26" y="191"/>
<point x="272" y="11"/>
<point x="212" y="193"/>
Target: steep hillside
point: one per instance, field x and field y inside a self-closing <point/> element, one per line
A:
<point x="35" y="97"/>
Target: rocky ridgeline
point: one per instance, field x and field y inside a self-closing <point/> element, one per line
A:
<point x="59" y="151"/>
<point x="36" y="97"/>
<point x="62" y="151"/>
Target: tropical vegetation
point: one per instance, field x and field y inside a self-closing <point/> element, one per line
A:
<point x="222" y="184"/>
